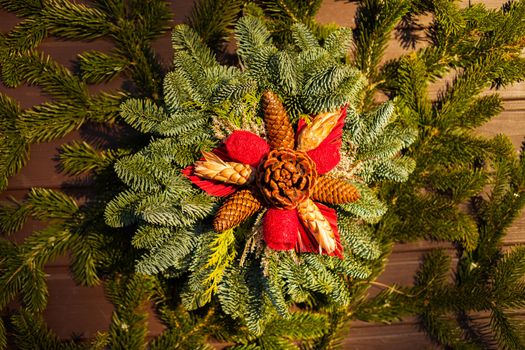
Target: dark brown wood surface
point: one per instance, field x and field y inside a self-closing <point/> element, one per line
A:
<point x="84" y="311"/>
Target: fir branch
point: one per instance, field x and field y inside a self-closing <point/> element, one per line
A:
<point x="26" y="35"/>
<point x="213" y="21"/>
<point x="390" y="305"/>
<point x="129" y="294"/>
<point x="375" y="21"/>
<point x="47" y="204"/>
<point x="508" y="331"/>
<point x="359" y="238"/>
<point x="13" y="216"/>
<point x="23" y="8"/>
<point x="143" y="115"/>
<point x="74" y="21"/>
<point x="14" y="150"/>
<point x="368" y="207"/>
<point x="221" y="257"/>
<point x="30" y="330"/>
<point x="172" y="253"/>
<point x="119" y="212"/>
<point x="80" y="157"/>
<point x="40" y="69"/>
<point x="97" y="67"/>
<point x="3" y="335"/>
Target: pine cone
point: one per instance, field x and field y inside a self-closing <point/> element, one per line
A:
<point x="334" y="191"/>
<point x="317" y="225"/>
<point x="214" y="168"/>
<point x="314" y="133"/>
<point x="237" y="208"/>
<point x="278" y="126"/>
<point x="286" y="178"/>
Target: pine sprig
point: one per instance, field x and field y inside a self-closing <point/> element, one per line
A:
<point x="215" y="32"/>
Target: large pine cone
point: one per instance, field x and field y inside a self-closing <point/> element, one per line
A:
<point x="278" y="126"/>
<point x="286" y="178"/>
<point x="237" y="208"/>
<point x="334" y="191"/>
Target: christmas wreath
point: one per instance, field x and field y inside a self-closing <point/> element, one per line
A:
<point x="227" y="199"/>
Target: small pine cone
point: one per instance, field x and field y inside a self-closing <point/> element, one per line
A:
<point x="317" y="225"/>
<point x="278" y="126"/>
<point x="315" y="132"/>
<point x="286" y="177"/>
<point x="237" y="208"/>
<point x="214" y="168"/>
<point x="334" y="191"/>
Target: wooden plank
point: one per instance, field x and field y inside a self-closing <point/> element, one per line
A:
<point x="510" y="123"/>
<point x="40" y="170"/>
<point x="83" y="311"/>
<point x="399" y="336"/>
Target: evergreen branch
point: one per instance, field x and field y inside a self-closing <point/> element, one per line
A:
<point x="184" y="330"/>
<point x="74" y="21"/>
<point x="129" y="294"/>
<point x="339" y="43"/>
<point x="31" y="330"/>
<point x="86" y="257"/>
<point x="511" y="268"/>
<point x="508" y="332"/>
<point x="171" y="253"/>
<point x="443" y="330"/>
<point x="80" y="157"/>
<point x="368" y="207"/>
<point x="26" y="35"/>
<point x="23" y="8"/>
<point x="3" y="335"/>
<point x="51" y="120"/>
<point x="97" y="67"/>
<point x="433" y="271"/>
<point x="185" y="40"/>
<point x="120" y="211"/>
<point x="214" y="20"/>
<point x="390" y="305"/>
<point x="14" y="154"/>
<point x="304" y="38"/>
<point x="143" y="115"/>
<point x="375" y="21"/>
<point x="152" y="236"/>
<point x="359" y="238"/>
<point x="221" y="257"/>
<point x="13" y="149"/>
<point x="47" y="204"/>
<point x="45" y="245"/>
<point x="40" y="69"/>
<point x="252" y="36"/>
<point x="35" y="292"/>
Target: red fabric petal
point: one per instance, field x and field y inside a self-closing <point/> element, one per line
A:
<point x="280" y="228"/>
<point x="246" y="147"/>
<point x="327" y="155"/>
<point x="212" y="187"/>
<point x="307" y="242"/>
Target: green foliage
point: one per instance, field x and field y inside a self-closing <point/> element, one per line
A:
<point x="129" y="24"/>
<point x="129" y="294"/>
<point x="32" y="333"/>
<point x="462" y="182"/>
<point x="253" y="285"/>
<point x="214" y="20"/>
<point x="14" y="149"/>
<point x="80" y="157"/>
